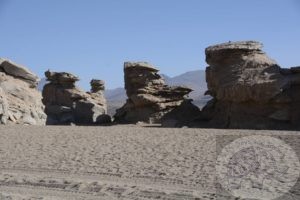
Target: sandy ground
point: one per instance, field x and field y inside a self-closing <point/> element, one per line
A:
<point x="120" y="162"/>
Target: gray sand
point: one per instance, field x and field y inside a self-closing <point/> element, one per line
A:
<point x="120" y="162"/>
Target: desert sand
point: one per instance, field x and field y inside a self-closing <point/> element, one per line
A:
<point x="119" y="162"/>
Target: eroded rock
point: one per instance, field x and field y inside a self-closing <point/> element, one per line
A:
<point x="249" y="89"/>
<point x="149" y="98"/>
<point x="18" y="71"/>
<point x="65" y="103"/>
<point x="3" y="107"/>
<point x="20" y="101"/>
<point x="97" y="86"/>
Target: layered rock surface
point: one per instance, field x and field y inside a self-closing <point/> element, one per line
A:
<point x="149" y="98"/>
<point x="20" y="101"/>
<point x="249" y="89"/>
<point x="65" y="103"/>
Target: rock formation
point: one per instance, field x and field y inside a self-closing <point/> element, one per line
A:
<point x="249" y="89"/>
<point x="20" y="101"/>
<point x="149" y="98"/>
<point x="65" y="103"/>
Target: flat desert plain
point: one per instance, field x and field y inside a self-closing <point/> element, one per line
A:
<point x="117" y="162"/>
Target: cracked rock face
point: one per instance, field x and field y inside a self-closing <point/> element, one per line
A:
<point x="66" y="104"/>
<point x="249" y="89"/>
<point x="20" y="101"/>
<point x="149" y="98"/>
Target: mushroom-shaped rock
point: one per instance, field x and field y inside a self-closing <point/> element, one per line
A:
<point x="249" y="89"/>
<point x="65" y="103"/>
<point x="241" y="71"/>
<point x="149" y="98"/>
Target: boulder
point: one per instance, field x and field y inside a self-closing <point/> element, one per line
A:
<point x="149" y="98"/>
<point x="18" y="71"/>
<point x="249" y="89"/>
<point x="241" y="71"/>
<point x="67" y="104"/>
<point x="20" y="101"/>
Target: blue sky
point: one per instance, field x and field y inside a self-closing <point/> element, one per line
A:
<point x="92" y="38"/>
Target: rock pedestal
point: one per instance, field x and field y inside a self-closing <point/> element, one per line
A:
<point x="149" y="98"/>
<point x="65" y="103"/>
<point x="249" y="89"/>
<point x="20" y="101"/>
<point x="97" y="86"/>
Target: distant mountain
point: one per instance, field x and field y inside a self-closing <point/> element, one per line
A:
<point x="115" y="99"/>
<point x="41" y="84"/>
<point x="193" y="79"/>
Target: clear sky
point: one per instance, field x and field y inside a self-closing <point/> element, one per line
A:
<point x="92" y="38"/>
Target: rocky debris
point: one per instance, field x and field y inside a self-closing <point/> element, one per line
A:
<point x="149" y="98"/>
<point x="249" y="89"/>
<point x="20" y="101"/>
<point x="67" y="104"/>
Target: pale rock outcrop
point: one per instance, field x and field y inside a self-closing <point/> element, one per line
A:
<point x="66" y="104"/>
<point x="149" y="98"/>
<point x="3" y="107"/>
<point x="249" y="89"/>
<point x="20" y="101"/>
<point x="18" y="71"/>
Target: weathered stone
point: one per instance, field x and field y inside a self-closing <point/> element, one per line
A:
<point x="145" y="66"/>
<point x="280" y="115"/>
<point x="18" y="71"/>
<point x="67" y="104"/>
<point x="149" y="98"/>
<point x="295" y="69"/>
<point x="97" y="85"/>
<point x="3" y="107"/>
<point x="241" y="71"/>
<point x="20" y="101"/>
<point x="62" y="78"/>
<point x="181" y="115"/>
<point x="249" y="89"/>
